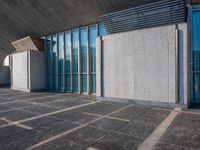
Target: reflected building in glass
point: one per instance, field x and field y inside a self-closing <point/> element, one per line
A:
<point x="71" y="59"/>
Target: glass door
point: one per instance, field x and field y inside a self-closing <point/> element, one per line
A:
<point x="195" y="56"/>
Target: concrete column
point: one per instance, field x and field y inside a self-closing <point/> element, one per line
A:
<point x="99" y="67"/>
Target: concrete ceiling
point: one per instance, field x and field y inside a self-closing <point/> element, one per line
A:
<point x="21" y="18"/>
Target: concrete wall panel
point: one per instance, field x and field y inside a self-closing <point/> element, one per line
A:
<point x="37" y="70"/>
<point x="28" y="71"/>
<point x="20" y="71"/>
<point x="140" y="64"/>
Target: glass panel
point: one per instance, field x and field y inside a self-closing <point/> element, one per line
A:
<point x="93" y="83"/>
<point x="84" y="82"/>
<point x="48" y="52"/>
<point x="84" y="40"/>
<point x="75" y="42"/>
<point x="68" y="83"/>
<point x="196" y="87"/>
<point x="75" y="83"/>
<point x="68" y="59"/>
<point x="196" y="55"/>
<point x="61" y="53"/>
<point x="75" y="51"/>
<point x="61" y="61"/>
<point x="68" y="50"/>
<point x="196" y="41"/>
<point x="54" y="83"/>
<point x="54" y="61"/>
<point x="60" y="82"/>
<point x="102" y="30"/>
<point x="93" y="35"/>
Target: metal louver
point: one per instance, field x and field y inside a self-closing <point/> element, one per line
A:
<point x="154" y="14"/>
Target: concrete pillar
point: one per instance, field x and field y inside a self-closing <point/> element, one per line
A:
<point x="28" y="71"/>
<point x="98" y="67"/>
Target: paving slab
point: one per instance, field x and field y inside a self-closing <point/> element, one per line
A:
<point x="15" y="115"/>
<point x="36" y="123"/>
<point x="131" y="112"/>
<point x="116" y="141"/>
<point x="152" y="116"/>
<point x="60" y="144"/>
<point x="57" y="127"/>
<point x="74" y="116"/>
<point x="17" y="104"/>
<point x="22" y="140"/>
<point x="108" y="124"/>
<point x="137" y="129"/>
<point x="3" y="107"/>
<point x="101" y="108"/>
<point x="184" y="131"/>
<point x="10" y="131"/>
<point x="46" y="99"/>
<point x="68" y="103"/>
<point x="86" y="136"/>
<point x="40" y="109"/>
<point x="166" y="146"/>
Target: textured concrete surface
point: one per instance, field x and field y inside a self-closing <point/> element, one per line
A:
<point x="139" y="68"/>
<point x="28" y="71"/>
<point x="66" y="122"/>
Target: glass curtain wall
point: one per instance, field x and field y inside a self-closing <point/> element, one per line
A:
<point x="196" y="56"/>
<point x="71" y="59"/>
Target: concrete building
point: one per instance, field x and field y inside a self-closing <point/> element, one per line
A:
<point x="141" y="51"/>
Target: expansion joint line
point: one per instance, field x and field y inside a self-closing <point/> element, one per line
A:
<point x="75" y="129"/>
<point x="154" y="138"/>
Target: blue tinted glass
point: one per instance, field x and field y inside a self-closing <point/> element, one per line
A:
<point x="54" y="81"/>
<point x="54" y="54"/>
<point x="93" y="83"/>
<point x="68" y="83"/>
<point x="93" y="35"/>
<point x="196" y="55"/>
<point x="48" y="54"/>
<point x="68" y="51"/>
<point x="195" y="41"/>
<point x="75" y="41"/>
<point x="75" y="82"/>
<point x="60" y="82"/>
<point x="61" y="53"/>
<point x="102" y="30"/>
<point x="84" y="82"/>
<point x="54" y="61"/>
<point x="84" y="41"/>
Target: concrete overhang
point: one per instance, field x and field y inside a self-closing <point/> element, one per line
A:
<point x="28" y="43"/>
<point x="21" y="18"/>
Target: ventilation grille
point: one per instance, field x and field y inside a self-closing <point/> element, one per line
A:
<point x="154" y="14"/>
